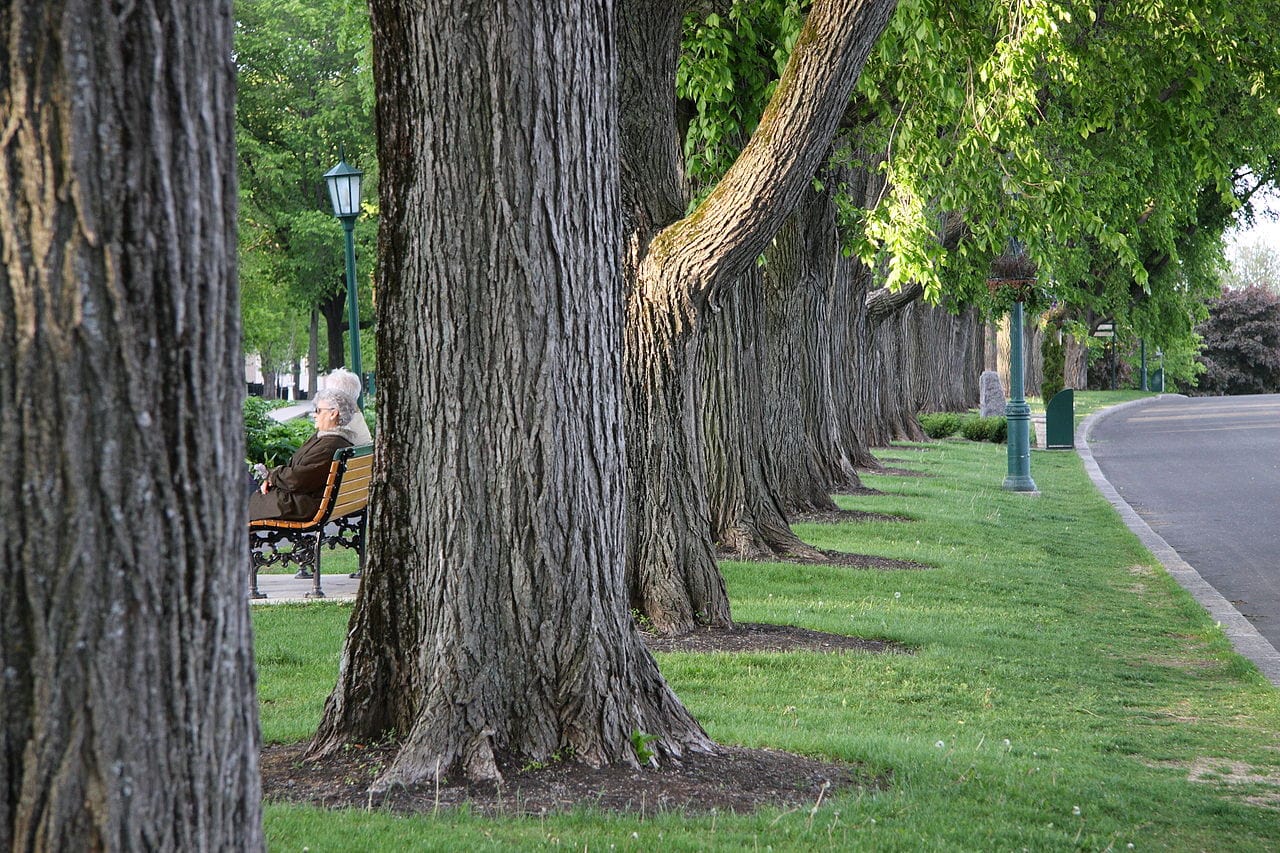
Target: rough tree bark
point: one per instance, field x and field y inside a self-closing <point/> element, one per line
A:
<point x="1075" y="368"/>
<point x="128" y="718"/>
<point x="747" y="517"/>
<point x="946" y="356"/>
<point x="493" y="621"/>
<point x="809" y="461"/>
<point x="684" y="268"/>
<point x="848" y="344"/>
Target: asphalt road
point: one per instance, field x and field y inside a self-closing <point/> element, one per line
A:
<point x="1204" y="473"/>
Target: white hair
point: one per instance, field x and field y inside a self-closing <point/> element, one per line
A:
<point x="342" y="401"/>
<point x="344" y="380"/>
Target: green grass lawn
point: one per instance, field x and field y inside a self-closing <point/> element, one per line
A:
<point x="1064" y="693"/>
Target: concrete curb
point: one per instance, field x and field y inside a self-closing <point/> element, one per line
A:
<point x="1243" y="636"/>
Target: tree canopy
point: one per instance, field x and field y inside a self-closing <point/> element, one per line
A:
<point x="305" y="96"/>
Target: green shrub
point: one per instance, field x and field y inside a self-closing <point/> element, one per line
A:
<point x="1055" y="360"/>
<point x="940" y="424"/>
<point x="267" y="441"/>
<point x="994" y="429"/>
<point x="974" y="429"/>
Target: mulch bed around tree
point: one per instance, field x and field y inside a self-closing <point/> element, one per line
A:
<point x="763" y="637"/>
<point x="841" y="516"/>
<point x="890" y="471"/>
<point x="733" y="779"/>
<point x="856" y="561"/>
<point x="839" y="558"/>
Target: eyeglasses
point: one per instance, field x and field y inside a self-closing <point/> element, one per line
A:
<point x="317" y="412"/>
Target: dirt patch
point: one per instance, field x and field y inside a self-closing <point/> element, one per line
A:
<point x="859" y="490"/>
<point x="833" y="558"/>
<point x="761" y="637"/>
<point x="856" y="561"/>
<point x="1237" y="778"/>
<point x="733" y="779"/>
<point x="902" y="472"/>
<point x="841" y="516"/>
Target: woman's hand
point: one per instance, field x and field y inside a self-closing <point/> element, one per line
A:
<point x="265" y="486"/>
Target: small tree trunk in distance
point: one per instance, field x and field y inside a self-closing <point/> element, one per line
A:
<point x="1076" y="366"/>
<point x="853" y="387"/>
<point x="270" y="377"/>
<point x="991" y="347"/>
<point x="334" y="311"/>
<point x="313" y="355"/>
<point x="794" y="369"/>
<point x="820" y="244"/>
<point x="849" y="377"/>
<point x="129" y="717"/>
<point x="492" y="620"/>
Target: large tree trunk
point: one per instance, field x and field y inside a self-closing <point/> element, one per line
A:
<point x="787" y="329"/>
<point x="850" y="379"/>
<point x="129" y="716"/>
<point x="946" y="357"/>
<point x="809" y="460"/>
<point x="671" y="570"/>
<point x="747" y="517"/>
<point x="493" y="619"/>
<point x="683" y="269"/>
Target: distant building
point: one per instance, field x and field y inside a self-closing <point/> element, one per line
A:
<point x="285" y="386"/>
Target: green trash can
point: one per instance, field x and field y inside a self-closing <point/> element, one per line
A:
<point x="1060" y="421"/>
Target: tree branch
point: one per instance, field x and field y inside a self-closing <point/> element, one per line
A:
<point x="883" y="302"/>
<point x="710" y="247"/>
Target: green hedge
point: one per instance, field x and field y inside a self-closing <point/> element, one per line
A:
<point x="940" y="424"/>
<point x="994" y="429"/>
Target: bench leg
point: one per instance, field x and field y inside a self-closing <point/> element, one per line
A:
<point x="316" y="591"/>
<point x="253" y="575"/>
<point x="364" y="521"/>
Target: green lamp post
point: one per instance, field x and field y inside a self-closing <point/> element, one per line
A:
<point x="344" y="192"/>
<point x="1015" y="272"/>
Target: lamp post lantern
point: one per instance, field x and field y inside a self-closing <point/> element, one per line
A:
<point x="344" y="192"/>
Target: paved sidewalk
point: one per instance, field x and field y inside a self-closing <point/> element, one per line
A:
<point x="1240" y="631"/>
<point x="286" y="589"/>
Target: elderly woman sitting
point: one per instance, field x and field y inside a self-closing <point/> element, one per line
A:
<point x="294" y="490"/>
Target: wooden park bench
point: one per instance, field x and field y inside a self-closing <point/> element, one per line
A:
<point x="340" y="520"/>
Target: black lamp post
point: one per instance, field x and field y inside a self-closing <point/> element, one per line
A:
<point x="344" y="192"/>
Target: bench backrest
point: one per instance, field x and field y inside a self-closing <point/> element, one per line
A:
<point x="345" y="492"/>
<point x="353" y="486"/>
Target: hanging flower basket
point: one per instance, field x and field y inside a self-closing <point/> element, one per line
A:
<point x="1017" y="288"/>
<point x="1013" y="267"/>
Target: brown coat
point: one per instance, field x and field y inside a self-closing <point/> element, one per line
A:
<point x="297" y="488"/>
